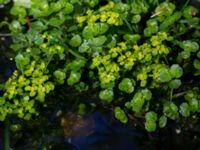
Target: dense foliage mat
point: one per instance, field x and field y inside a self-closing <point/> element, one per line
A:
<point x="140" y="57"/>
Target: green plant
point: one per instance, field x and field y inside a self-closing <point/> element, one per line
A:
<point x="138" y="66"/>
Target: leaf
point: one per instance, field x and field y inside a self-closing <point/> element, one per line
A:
<point x="131" y="38"/>
<point x="196" y="64"/>
<point x="16" y="11"/>
<point x="174" y="84"/>
<point x="137" y="102"/>
<point x="60" y="76"/>
<point x="55" y="21"/>
<point x="39" y="26"/>
<point x="198" y="54"/>
<point x="136" y="19"/>
<point x="152" y="23"/>
<point x="2" y="101"/>
<point x="84" y="48"/>
<point x="97" y="41"/>
<point x="77" y="64"/>
<point x="21" y="61"/>
<point x="68" y="8"/>
<point x="120" y="115"/>
<point x="38" y="40"/>
<point x="165" y="75"/>
<point x="176" y="71"/>
<point x="170" y="110"/>
<point x="75" y="41"/>
<point x="126" y="85"/>
<point x="150" y="126"/>
<point x="23" y="3"/>
<point x="106" y="95"/>
<point x="15" y="26"/>
<point x="184" y="109"/>
<point x="151" y="116"/>
<point x="189" y="46"/>
<point x="147" y="94"/>
<point x="73" y="78"/>
<point x="165" y="8"/>
<point x="169" y="21"/>
<point x="185" y="54"/>
<point x="94" y="30"/>
<point x="81" y="109"/>
<point x="162" y="121"/>
<point x="15" y="127"/>
<point x="194" y="103"/>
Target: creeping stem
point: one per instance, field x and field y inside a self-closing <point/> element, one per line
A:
<point x="7" y="135"/>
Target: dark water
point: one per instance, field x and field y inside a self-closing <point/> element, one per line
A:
<point x="105" y="135"/>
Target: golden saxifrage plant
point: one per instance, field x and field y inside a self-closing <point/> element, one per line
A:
<point x="141" y="56"/>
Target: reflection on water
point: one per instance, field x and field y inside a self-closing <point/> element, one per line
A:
<point x="97" y="132"/>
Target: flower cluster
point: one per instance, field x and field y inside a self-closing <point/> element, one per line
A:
<point x="105" y="14"/>
<point x="22" y="91"/>
<point x="136" y="55"/>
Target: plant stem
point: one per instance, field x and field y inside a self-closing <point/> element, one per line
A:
<point x="128" y="24"/>
<point x="171" y="94"/>
<point x="7" y="135"/>
<point x="186" y="3"/>
<point x="5" y="34"/>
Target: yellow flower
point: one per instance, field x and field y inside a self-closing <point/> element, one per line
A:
<point x="140" y="55"/>
<point x="103" y="18"/>
<point x="162" y="49"/>
<point x="81" y="19"/>
<point x="89" y="12"/>
<point x="163" y="35"/>
<point x="128" y="54"/>
<point x="114" y="67"/>
<point x="142" y="76"/>
<point x="123" y="45"/>
<point x="94" y="18"/>
<point x="136" y="47"/>
<point x="111" y="21"/>
<point x="121" y="59"/>
<point x="155" y="40"/>
<point x="96" y="61"/>
<point x="42" y="66"/>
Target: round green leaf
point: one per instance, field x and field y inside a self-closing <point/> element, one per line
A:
<point x="136" y="19"/>
<point x="194" y="105"/>
<point x="162" y="121"/>
<point x="75" y="41"/>
<point x="170" y="110"/>
<point x="73" y="78"/>
<point x="196" y="64"/>
<point x="151" y="116"/>
<point x="165" y="75"/>
<point x="81" y="109"/>
<point x="146" y="94"/>
<point x="137" y="102"/>
<point x="174" y="84"/>
<point x="22" y="60"/>
<point x="68" y="8"/>
<point x="189" y="46"/>
<point x="15" y="127"/>
<point x="97" y="41"/>
<point x="184" y="109"/>
<point x="106" y="95"/>
<point x="60" y="76"/>
<point x="126" y="85"/>
<point x="120" y="115"/>
<point x="150" y="126"/>
<point x="176" y="71"/>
